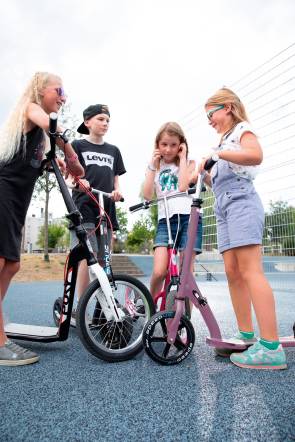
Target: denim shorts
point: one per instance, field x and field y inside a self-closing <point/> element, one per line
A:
<point x="240" y="219"/>
<point x="178" y="222"/>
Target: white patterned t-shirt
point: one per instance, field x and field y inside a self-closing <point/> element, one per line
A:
<point x="232" y="141"/>
<point x="166" y="183"/>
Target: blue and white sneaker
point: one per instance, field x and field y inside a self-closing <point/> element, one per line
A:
<point x="259" y="357"/>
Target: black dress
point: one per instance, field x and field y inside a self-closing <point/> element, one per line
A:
<point x="17" y="181"/>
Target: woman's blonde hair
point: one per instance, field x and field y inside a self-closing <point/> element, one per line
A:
<point x="227" y="96"/>
<point x="12" y="131"/>
<point x="173" y="129"/>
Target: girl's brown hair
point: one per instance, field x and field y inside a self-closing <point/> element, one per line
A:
<point x="173" y="129"/>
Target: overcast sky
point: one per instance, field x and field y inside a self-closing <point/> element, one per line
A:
<point x="151" y="61"/>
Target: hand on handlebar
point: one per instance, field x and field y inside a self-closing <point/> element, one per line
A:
<point x="207" y="163"/>
<point x="74" y="183"/>
<point x="116" y="195"/>
<point x="62" y="165"/>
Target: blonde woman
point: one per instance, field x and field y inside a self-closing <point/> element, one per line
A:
<point x="240" y="220"/>
<point x="22" y="145"/>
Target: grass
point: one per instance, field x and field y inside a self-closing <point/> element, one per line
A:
<point x="34" y="268"/>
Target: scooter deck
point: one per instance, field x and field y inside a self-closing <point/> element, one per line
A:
<point x="286" y="341"/>
<point x="31" y="332"/>
<point x="226" y="343"/>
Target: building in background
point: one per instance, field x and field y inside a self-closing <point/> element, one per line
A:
<point x="32" y="228"/>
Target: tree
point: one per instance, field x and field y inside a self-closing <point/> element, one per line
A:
<point x="121" y="234"/>
<point x="56" y="234"/>
<point x="141" y="236"/>
<point x="279" y="230"/>
<point x="43" y="187"/>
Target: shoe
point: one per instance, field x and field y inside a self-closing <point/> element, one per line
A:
<point x="238" y="338"/>
<point x="259" y="357"/>
<point x="12" y="354"/>
<point x="139" y="310"/>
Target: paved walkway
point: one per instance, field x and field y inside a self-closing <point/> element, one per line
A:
<point x="72" y="396"/>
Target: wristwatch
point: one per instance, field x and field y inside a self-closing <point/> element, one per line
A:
<point x="215" y="157"/>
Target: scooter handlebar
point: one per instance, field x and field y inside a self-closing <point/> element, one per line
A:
<point x="136" y="207"/>
<point x="52" y="123"/>
<point x="209" y="164"/>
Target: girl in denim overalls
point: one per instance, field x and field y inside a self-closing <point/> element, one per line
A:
<point x="240" y="220"/>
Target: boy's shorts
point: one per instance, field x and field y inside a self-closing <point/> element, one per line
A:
<point x="178" y="222"/>
<point x="94" y="238"/>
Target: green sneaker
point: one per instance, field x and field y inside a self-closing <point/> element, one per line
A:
<point x="259" y="357"/>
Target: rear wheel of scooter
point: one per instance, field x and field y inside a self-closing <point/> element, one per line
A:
<point x="107" y="339"/>
<point x="155" y="339"/>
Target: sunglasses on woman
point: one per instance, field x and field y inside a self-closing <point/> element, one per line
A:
<point x="60" y="91"/>
<point x="212" y="111"/>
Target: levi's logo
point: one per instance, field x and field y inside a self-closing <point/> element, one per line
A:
<point x="100" y="159"/>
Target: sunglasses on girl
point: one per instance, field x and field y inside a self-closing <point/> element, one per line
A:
<point x="60" y="91"/>
<point x="212" y="111"/>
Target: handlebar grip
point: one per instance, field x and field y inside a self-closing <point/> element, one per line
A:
<point x="191" y="190"/>
<point x="52" y="123"/>
<point x="108" y="195"/>
<point x="209" y="164"/>
<point x="137" y="206"/>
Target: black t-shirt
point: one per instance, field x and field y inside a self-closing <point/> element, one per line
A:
<point x="101" y="162"/>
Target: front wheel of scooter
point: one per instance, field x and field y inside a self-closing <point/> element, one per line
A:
<point x="107" y="339"/>
<point x="155" y="339"/>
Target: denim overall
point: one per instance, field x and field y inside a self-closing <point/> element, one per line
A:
<point x="238" y="208"/>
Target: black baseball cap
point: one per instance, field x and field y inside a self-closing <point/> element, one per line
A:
<point x="91" y="111"/>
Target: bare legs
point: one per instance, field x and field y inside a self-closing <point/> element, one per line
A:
<point x="82" y="278"/>
<point x="248" y="285"/>
<point x="7" y="270"/>
<point x="159" y="270"/>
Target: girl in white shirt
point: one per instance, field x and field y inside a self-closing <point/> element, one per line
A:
<point x="170" y="171"/>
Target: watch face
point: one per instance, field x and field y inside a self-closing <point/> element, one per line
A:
<point x="215" y="157"/>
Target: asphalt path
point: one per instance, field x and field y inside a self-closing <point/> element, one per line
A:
<point x="72" y="396"/>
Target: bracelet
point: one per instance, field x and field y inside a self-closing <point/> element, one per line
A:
<point x="151" y="168"/>
<point x="72" y="158"/>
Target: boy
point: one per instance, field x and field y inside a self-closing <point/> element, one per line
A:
<point x="103" y="164"/>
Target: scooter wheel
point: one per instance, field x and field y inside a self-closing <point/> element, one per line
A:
<point x="56" y="312"/>
<point x="155" y="339"/>
<point x="225" y="352"/>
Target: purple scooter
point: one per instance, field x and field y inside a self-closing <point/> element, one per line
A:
<point x="169" y="336"/>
